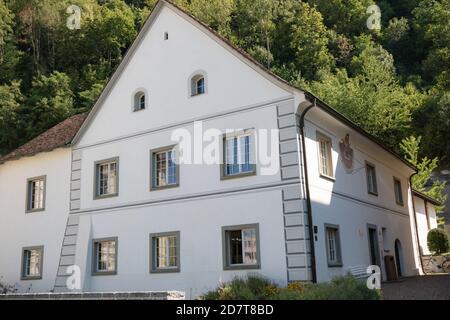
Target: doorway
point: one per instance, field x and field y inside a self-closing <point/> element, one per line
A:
<point x="373" y="245"/>
<point x="398" y="257"/>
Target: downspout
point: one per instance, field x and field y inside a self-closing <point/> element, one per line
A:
<point x="308" y="198"/>
<point x="415" y="222"/>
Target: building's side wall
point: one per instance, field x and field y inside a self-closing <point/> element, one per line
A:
<point x="344" y="200"/>
<point x="426" y="220"/>
<point x="45" y="228"/>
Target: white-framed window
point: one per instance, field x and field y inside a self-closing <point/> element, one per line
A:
<point x="165" y="252"/>
<point x="198" y="84"/>
<point x="36" y="194"/>
<point x="104" y="256"/>
<point x="239" y="154"/>
<point x="333" y="245"/>
<point x="106" y="175"/>
<point x="164" y="168"/>
<point x="398" y="191"/>
<point x="241" y="246"/>
<point x="139" y="101"/>
<point x="371" y="175"/>
<point x="32" y="262"/>
<point x="325" y="156"/>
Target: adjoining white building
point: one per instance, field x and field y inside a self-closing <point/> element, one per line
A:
<point x="121" y="206"/>
<point x="425" y="208"/>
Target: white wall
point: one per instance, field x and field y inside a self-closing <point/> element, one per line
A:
<point x="46" y="228"/>
<point x="422" y="224"/>
<point x="199" y="222"/>
<point x="163" y="68"/>
<point x="345" y="201"/>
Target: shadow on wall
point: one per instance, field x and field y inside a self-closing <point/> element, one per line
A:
<point x="366" y="233"/>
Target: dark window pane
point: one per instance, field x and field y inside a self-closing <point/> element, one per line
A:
<point x="235" y="242"/>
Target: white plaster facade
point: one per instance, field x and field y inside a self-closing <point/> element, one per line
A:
<point x="240" y="95"/>
<point x="426" y="220"/>
<point x="19" y="229"/>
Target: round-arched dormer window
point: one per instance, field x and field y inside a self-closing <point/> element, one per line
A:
<point x="140" y="102"/>
<point x="198" y="84"/>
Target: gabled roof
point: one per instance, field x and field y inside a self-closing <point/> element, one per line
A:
<point x="425" y="197"/>
<point x="226" y="44"/>
<point x="59" y="136"/>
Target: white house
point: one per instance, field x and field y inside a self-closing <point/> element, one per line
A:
<point x="135" y="209"/>
<point x="425" y="208"/>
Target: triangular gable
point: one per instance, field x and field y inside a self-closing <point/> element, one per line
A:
<point x="240" y="54"/>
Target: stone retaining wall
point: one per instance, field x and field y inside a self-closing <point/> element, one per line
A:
<point x="156" y="295"/>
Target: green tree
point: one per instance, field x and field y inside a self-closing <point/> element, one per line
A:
<point x="371" y="96"/>
<point x="50" y="101"/>
<point x="10" y="100"/>
<point x="432" y="28"/>
<point x="346" y="17"/>
<point x="425" y="166"/>
<point x="302" y="36"/>
<point x="215" y="13"/>
<point x="253" y="28"/>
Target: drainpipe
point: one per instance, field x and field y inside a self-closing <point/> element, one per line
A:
<point x="308" y="198"/>
<point x="415" y="222"/>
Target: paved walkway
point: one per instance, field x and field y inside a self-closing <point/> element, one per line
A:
<point x="430" y="287"/>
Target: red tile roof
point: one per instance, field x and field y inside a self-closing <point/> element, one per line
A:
<point x="60" y="135"/>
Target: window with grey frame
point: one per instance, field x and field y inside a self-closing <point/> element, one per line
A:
<point x="104" y="256"/>
<point x="325" y="156"/>
<point x="139" y="101"/>
<point x="371" y="176"/>
<point x="32" y="262"/>
<point x="241" y="247"/>
<point x="398" y="191"/>
<point x="238" y="155"/>
<point x="164" y="168"/>
<point x="333" y="245"/>
<point x="36" y="194"/>
<point x="165" y="252"/>
<point x="198" y="85"/>
<point x="106" y="178"/>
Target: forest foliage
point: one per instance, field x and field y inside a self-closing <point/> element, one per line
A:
<point x="393" y="81"/>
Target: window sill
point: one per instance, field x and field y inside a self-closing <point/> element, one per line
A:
<point x="240" y="175"/>
<point x="335" y="265"/>
<point x="104" y="273"/>
<point x="330" y="178"/>
<point x="242" y="267"/>
<point x="375" y="194"/>
<point x="25" y="278"/>
<point x="137" y="110"/>
<point x="168" y="270"/>
<point x="34" y="210"/>
<point x="196" y="95"/>
<point x="97" y="197"/>
<point x="400" y="204"/>
<point x="170" y="186"/>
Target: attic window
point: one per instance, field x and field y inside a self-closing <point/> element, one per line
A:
<point x="166" y="36"/>
<point x="139" y="101"/>
<point x="198" y="84"/>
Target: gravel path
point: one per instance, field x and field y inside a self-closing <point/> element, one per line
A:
<point x="430" y="287"/>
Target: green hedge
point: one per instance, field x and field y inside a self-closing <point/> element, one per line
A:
<point x="255" y="287"/>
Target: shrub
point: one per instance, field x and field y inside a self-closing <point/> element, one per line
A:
<point x="438" y="241"/>
<point x="7" y="288"/>
<point x="341" y="288"/>
<point x="259" y="288"/>
<point x="253" y="287"/>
